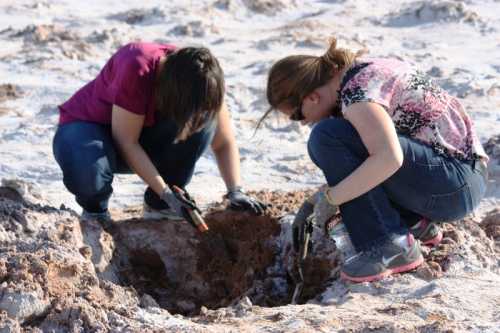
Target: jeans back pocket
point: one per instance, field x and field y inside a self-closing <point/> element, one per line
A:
<point x="450" y="206"/>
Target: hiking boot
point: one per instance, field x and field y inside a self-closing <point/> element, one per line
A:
<point x="104" y="218"/>
<point x="164" y="212"/>
<point x="381" y="261"/>
<point x="427" y="232"/>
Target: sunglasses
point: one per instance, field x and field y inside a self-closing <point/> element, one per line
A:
<point x="297" y="114"/>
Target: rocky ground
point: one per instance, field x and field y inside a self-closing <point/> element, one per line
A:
<point x="60" y="274"/>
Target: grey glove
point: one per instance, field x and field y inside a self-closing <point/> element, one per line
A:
<point x="324" y="210"/>
<point x="239" y="200"/>
<point x="172" y="201"/>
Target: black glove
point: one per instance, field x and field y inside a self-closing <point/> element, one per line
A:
<point x="304" y="212"/>
<point x="238" y="200"/>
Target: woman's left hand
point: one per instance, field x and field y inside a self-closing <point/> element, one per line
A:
<point x="239" y="200"/>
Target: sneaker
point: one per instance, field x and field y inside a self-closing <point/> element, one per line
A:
<point x="149" y="212"/>
<point x="427" y="232"/>
<point x="103" y="218"/>
<point x="384" y="260"/>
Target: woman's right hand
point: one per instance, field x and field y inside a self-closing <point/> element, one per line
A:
<point x="172" y="201"/>
<point x="178" y="201"/>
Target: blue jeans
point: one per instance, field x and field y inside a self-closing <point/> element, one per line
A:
<point x="427" y="184"/>
<point x="88" y="158"/>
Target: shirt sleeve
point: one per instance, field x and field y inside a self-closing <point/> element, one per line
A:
<point x="368" y="85"/>
<point x="130" y="87"/>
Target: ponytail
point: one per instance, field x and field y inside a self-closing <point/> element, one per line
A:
<point x="337" y="59"/>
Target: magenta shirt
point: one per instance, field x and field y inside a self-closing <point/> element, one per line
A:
<point x="126" y="80"/>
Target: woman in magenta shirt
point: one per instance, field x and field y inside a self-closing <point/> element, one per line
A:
<point x="152" y="109"/>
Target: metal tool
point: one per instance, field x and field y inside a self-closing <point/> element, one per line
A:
<point x="305" y="244"/>
<point x="190" y="210"/>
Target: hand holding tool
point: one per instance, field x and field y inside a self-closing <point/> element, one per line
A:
<point x="304" y="244"/>
<point x="189" y="209"/>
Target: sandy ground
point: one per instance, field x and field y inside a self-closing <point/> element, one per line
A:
<point x="51" y="48"/>
<point x="58" y="274"/>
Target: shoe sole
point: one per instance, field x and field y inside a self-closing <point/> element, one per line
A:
<point x="400" y="269"/>
<point x="434" y="241"/>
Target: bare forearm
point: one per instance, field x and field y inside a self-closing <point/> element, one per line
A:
<point x="228" y="162"/>
<point x="140" y="163"/>
<point x="374" y="170"/>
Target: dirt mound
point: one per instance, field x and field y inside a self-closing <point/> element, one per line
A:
<point x="477" y="243"/>
<point x="9" y="91"/>
<point x="266" y="7"/>
<point x="10" y="194"/>
<point x="422" y="12"/>
<point x="140" y="16"/>
<point x="241" y="247"/>
<point x="44" y="34"/>
<point x="491" y="226"/>
<point x="41" y="40"/>
<point x="184" y="270"/>
<point x="192" y="29"/>
<point x="60" y="274"/>
<point x="492" y="147"/>
<point x="241" y="255"/>
<point x="279" y="203"/>
<point x="57" y="272"/>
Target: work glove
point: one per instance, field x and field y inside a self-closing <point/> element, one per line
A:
<point x="324" y="209"/>
<point x="301" y="217"/>
<point x="239" y="200"/>
<point x="175" y="202"/>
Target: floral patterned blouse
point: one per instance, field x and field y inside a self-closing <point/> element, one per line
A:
<point x="418" y="107"/>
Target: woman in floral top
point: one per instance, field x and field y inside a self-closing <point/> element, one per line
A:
<point x="398" y="152"/>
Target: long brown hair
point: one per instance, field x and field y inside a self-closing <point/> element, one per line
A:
<point x="190" y="89"/>
<point x="292" y="78"/>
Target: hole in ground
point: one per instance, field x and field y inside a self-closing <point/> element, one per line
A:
<point x="182" y="269"/>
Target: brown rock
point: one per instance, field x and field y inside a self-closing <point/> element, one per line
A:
<point x="10" y="194"/>
<point x="491" y="224"/>
<point x="9" y="91"/>
<point x="429" y="271"/>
